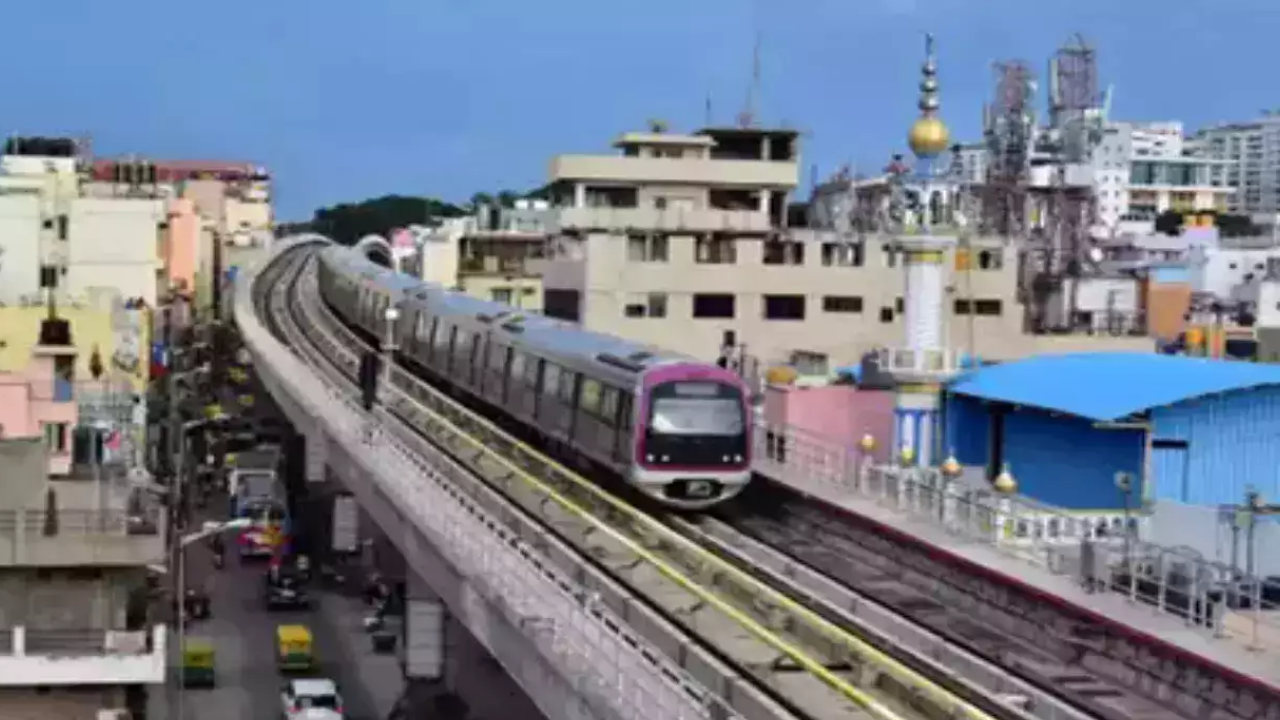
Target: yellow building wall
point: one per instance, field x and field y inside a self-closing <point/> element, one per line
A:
<point x="122" y="337"/>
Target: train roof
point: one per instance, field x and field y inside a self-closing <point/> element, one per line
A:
<point x="556" y="337"/>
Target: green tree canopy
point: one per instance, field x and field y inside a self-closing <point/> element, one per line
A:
<point x="348" y="222"/>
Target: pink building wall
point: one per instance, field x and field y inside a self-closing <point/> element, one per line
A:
<point x="839" y="414"/>
<point x="31" y="400"/>
<point x="183" y="243"/>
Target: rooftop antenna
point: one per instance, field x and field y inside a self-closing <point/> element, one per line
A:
<point x="747" y="118"/>
<point x="706" y="111"/>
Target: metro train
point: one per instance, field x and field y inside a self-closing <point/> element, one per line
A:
<point x="676" y="428"/>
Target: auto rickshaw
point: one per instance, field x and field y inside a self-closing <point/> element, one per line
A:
<point x="294" y="648"/>
<point x="198" y="663"/>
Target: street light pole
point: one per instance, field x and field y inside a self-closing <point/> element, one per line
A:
<point x="388" y="349"/>
<point x="180" y="575"/>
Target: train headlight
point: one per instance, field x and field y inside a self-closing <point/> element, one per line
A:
<point x="648" y="458"/>
<point x="666" y="458"/>
<point x="737" y="458"/>
<point x="724" y="459"/>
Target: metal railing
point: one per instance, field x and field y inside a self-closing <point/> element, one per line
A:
<point x="72" y="523"/>
<point x="70" y="642"/>
<point x="1095" y="549"/>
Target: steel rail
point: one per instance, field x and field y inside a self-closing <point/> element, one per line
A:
<point x="848" y="666"/>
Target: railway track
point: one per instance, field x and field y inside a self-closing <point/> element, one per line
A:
<point x="812" y="658"/>
<point x="642" y="672"/>
<point x="798" y="537"/>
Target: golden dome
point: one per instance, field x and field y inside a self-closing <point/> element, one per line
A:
<point x="929" y="137"/>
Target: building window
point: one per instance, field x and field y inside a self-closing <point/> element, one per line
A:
<point x="990" y="260"/>
<point x="713" y="305"/>
<point x="783" y="307"/>
<point x="899" y="305"/>
<point x="55" y="437"/>
<point x="501" y="295"/>
<point x="783" y="252"/>
<point x="989" y="308"/>
<point x="886" y="315"/>
<point x="842" y="304"/>
<point x="647" y="248"/>
<point x="653" y="306"/>
<point x="716" y="250"/>
<point x="562" y="304"/>
<point x="842" y="254"/>
<point x="890" y="257"/>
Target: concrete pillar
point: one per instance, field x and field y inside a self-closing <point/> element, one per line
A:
<point x="765" y="197"/>
<point x="579" y="195"/>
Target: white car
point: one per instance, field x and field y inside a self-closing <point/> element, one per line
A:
<point x="311" y="699"/>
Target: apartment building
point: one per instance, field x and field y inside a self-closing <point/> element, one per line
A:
<point x="1144" y="169"/>
<point x="680" y="239"/>
<point x="493" y="255"/>
<point x="58" y="238"/>
<point x="75" y="540"/>
<point x="1249" y="157"/>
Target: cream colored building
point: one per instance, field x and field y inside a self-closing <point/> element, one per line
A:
<point x="680" y="239"/>
<point x="491" y="255"/>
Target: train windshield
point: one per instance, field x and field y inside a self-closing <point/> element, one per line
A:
<point x="696" y="408"/>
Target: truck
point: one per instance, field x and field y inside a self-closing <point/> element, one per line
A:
<point x="254" y="475"/>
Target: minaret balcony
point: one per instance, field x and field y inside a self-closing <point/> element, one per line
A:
<point x="916" y="365"/>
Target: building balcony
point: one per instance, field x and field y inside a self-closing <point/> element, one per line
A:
<point x="674" y="221"/>
<point x="76" y="538"/>
<point x="32" y="657"/>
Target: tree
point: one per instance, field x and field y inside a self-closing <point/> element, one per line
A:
<point x="348" y="222"/>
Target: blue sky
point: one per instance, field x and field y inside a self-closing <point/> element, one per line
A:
<point x="446" y="97"/>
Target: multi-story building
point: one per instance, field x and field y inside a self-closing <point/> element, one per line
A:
<point x="969" y="163"/>
<point x="1144" y="169"/>
<point x="491" y="255"/>
<point x="75" y="543"/>
<point x="1249" y="153"/>
<point x="680" y="239"/>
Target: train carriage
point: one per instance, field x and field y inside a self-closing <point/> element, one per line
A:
<point x="675" y="427"/>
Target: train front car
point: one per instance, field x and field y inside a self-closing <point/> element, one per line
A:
<point x="694" y="448"/>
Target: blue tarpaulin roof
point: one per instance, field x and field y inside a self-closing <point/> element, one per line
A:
<point x="1110" y="386"/>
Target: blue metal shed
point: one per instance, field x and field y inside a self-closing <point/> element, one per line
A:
<point x="1198" y="431"/>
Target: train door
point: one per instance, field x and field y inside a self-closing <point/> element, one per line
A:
<point x="624" y="443"/>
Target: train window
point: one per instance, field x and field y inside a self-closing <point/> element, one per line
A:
<point x="609" y="405"/>
<point x="517" y="364"/>
<point x="551" y="379"/>
<point x="443" y="336"/>
<point x="497" y="357"/>
<point x="420" y="331"/>
<point x="626" y="401"/>
<point x="589" y="399"/>
<point x="568" y="384"/>
<point x="461" y="342"/>
<point x="531" y="372"/>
